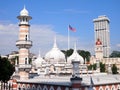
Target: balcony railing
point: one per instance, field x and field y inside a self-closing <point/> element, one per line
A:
<point x="24" y="66"/>
<point x="24" y="43"/>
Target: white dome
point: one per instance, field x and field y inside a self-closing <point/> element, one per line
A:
<point x="24" y="12"/>
<point x="55" y="55"/>
<point x="39" y="61"/>
<point x="75" y="57"/>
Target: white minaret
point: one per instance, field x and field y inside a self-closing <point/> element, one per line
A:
<point x="101" y="27"/>
<point x="24" y="43"/>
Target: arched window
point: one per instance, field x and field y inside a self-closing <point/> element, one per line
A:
<point x="86" y="88"/>
<point x="101" y="88"/>
<point x="113" y="87"/>
<point x="59" y="88"/>
<point x="33" y="87"/>
<point x="118" y="87"/>
<point x="39" y="87"/>
<point x="45" y="88"/>
<point x="25" y="60"/>
<point x="26" y="37"/>
<point x="66" y="88"/>
<point x="107" y="88"/>
<point x="28" y="87"/>
<point x="94" y="88"/>
<point x="51" y="88"/>
<point x="23" y="87"/>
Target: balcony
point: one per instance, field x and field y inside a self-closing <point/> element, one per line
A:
<point x="24" y="66"/>
<point x="24" y="43"/>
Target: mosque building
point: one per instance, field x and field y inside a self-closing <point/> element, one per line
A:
<point x="54" y="72"/>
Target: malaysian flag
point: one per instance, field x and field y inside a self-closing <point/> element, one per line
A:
<point x="71" y="28"/>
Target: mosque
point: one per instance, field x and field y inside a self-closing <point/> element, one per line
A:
<point x="54" y="72"/>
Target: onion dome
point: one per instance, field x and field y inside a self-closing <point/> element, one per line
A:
<point x="55" y="55"/>
<point x="24" y="12"/>
<point x="98" y="42"/>
<point x="75" y="57"/>
<point x="39" y="61"/>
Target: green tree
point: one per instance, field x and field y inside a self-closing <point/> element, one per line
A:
<point x="94" y="66"/>
<point x="90" y="67"/>
<point x="115" y="54"/>
<point x="102" y="67"/>
<point x="85" y="54"/>
<point x="114" y="69"/>
<point x="6" y="69"/>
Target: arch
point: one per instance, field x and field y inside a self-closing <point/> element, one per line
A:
<point x="66" y="88"/>
<point x="113" y="87"/>
<point x="107" y="88"/>
<point x="51" y="88"/>
<point x="94" y="88"/>
<point x="33" y="87"/>
<point x="28" y="87"/>
<point x="118" y="86"/>
<point x="100" y="88"/>
<point x="45" y="87"/>
<point x="19" y="86"/>
<point x="86" y="88"/>
<point x="23" y="87"/>
<point x="59" y="88"/>
<point x="39" y="87"/>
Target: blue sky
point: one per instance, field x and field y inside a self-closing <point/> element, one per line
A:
<point x="52" y="17"/>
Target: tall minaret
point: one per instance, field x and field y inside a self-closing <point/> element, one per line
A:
<point x="24" y="43"/>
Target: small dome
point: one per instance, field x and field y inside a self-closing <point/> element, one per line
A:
<point x="39" y="61"/>
<point x="98" y="42"/>
<point x="55" y="55"/>
<point x="75" y="57"/>
<point x="24" y="12"/>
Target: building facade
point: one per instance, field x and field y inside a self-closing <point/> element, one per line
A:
<point x="53" y="72"/>
<point x="102" y="32"/>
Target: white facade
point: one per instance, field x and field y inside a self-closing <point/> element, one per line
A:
<point x="101" y="27"/>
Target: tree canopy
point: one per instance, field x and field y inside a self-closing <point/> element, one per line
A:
<point x="6" y="69"/>
<point x="115" y="54"/>
<point x="114" y="69"/>
<point x="85" y="54"/>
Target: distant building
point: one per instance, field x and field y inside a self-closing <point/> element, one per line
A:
<point x="102" y="32"/>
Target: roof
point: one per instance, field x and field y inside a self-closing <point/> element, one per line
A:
<point x="98" y="79"/>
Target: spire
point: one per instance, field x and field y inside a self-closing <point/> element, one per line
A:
<point x="75" y="48"/>
<point x="55" y="44"/>
<point x="39" y="54"/>
<point x="24" y="12"/>
<point x="24" y="7"/>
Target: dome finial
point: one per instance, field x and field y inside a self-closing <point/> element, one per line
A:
<point x="24" y="12"/>
<point x="55" y="44"/>
<point x="75" y="46"/>
<point x="24" y="7"/>
<point x="39" y="53"/>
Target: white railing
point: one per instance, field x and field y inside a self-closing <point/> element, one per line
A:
<point x="28" y="42"/>
<point x="24" y="66"/>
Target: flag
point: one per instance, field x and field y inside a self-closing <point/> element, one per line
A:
<point x="71" y="28"/>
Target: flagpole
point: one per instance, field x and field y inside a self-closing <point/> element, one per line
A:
<point x="68" y="39"/>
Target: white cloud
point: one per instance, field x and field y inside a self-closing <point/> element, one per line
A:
<point x="41" y="35"/>
<point x="118" y="45"/>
